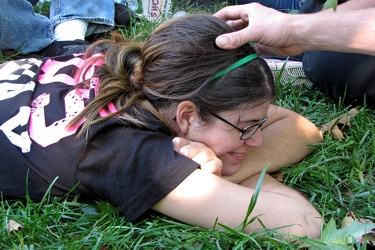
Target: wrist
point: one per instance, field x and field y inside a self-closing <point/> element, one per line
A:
<point x="304" y="31"/>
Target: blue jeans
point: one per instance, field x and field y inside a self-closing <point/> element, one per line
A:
<point x="25" y="31"/>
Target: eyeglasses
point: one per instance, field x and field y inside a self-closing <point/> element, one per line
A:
<point x="247" y="132"/>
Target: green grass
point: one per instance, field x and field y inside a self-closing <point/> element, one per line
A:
<point x="337" y="178"/>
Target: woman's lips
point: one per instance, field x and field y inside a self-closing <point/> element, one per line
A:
<point x="238" y="156"/>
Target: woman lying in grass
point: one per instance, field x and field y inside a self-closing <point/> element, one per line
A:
<point x="173" y="124"/>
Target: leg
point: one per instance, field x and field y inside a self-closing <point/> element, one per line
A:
<point x="98" y="13"/>
<point x="21" y="29"/>
<point x="345" y="76"/>
<point x="74" y="20"/>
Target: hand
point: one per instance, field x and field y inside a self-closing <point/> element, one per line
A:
<point x="199" y="153"/>
<point x="256" y="23"/>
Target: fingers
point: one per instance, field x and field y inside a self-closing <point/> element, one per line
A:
<point x="238" y="19"/>
<point x="267" y="27"/>
<point x="252" y="23"/>
<point x="214" y="166"/>
<point x="196" y="151"/>
<point x="199" y="153"/>
<point x="243" y="20"/>
<point x="179" y="142"/>
<point x="233" y="40"/>
<point x="230" y="13"/>
<point x="237" y="24"/>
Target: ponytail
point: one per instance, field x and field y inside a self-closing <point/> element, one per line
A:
<point x="120" y="84"/>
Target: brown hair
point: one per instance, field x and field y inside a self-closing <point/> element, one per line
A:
<point x="175" y="64"/>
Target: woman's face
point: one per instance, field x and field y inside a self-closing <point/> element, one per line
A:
<point x="225" y="140"/>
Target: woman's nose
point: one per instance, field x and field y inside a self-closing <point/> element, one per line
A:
<point x="256" y="140"/>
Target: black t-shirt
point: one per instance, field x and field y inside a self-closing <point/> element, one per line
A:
<point x="131" y="167"/>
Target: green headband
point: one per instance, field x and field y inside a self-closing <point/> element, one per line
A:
<point x="235" y="65"/>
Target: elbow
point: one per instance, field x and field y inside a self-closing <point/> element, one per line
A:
<point x="316" y="135"/>
<point x="313" y="229"/>
<point x="310" y="224"/>
<point x="309" y="130"/>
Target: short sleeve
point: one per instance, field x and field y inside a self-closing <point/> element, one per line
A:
<point x="134" y="169"/>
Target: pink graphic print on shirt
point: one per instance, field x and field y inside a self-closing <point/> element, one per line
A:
<point x="74" y="103"/>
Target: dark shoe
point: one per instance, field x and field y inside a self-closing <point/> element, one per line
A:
<point x="123" y="15"/>
<point x="59" y="48"/>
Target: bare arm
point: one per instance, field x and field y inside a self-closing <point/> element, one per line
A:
<point x="286" y="137"/>
<point x="203" y="197"/>
<point x="270" y="184"/>
<point x="344" y="31"/>
<point x="288" y="34"/>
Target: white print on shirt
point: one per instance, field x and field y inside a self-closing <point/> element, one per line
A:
<point x="23" y="140"/>
<point x="44" y="135"/>
<point x="8" y="90"/>
<point x="14" y="66"/>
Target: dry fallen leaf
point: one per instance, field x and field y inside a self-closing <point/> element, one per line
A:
<point x="13" y="225"/>
<point x="278" y="176"/>
<point x="347" y="221"/>
<point x="332" y="126"/>
<point x="368" y="236"/>
<point x="104" y="246"/>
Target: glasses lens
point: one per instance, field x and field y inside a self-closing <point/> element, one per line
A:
<point x="250" y="131"/>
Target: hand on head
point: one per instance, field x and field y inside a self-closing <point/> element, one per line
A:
<point x="255" y="23"/>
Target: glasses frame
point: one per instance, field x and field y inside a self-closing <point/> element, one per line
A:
<point x="243" y="130"/>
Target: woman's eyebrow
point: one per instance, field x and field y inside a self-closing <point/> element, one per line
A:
<point x="252" y="120"/>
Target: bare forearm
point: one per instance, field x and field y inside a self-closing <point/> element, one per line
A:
<point x="269" y="184"/>
<point x="345" y="31"/>
<point x="204" y="198"/>
<point x="274" y="187"/>
<point x="349" y="29"/>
